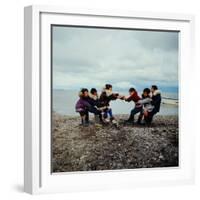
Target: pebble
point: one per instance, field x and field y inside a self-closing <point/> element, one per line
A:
<point x="78" y="148"/>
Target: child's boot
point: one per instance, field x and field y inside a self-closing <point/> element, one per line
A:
<point x="139" y="120"/>
<point x="84" y="121"/>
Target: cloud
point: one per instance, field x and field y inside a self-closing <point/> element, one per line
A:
<point x="124" y="84"/>
<point x="92" y="57"/>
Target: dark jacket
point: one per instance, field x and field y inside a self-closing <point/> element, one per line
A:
<point x="105" y="98"/>
<point x="156" y="101"/>
<point x="93" y="100"/>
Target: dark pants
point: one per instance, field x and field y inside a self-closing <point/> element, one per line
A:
<point x="96" y="112"/>
<point x="86" y="114"/>
<point x="148" y="119"/>
<point x="134" y="112"/>
<point x="91" y="110"/>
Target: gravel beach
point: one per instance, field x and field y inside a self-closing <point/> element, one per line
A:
<point x="97" y="147"/>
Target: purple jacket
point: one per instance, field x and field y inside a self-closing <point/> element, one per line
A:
<point x="81" y="105"/>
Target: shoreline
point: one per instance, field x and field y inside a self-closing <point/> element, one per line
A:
<point x="64" y="103"/>
<point x="77" y="148"/>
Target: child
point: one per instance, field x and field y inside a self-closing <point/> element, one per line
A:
<point x="133" y="96"/>
<point x="106" y="96"/>
<point x="146" y="102"/>
<point x="156" y="101"/>
<point x="84" y="106"/>
<point x="94" y="101"/>
<point x="156" y="98"/>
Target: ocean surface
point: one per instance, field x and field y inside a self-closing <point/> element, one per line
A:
<point x="64" y="103"/>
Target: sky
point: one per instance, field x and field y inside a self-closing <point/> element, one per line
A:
<point x="92" y="57"/>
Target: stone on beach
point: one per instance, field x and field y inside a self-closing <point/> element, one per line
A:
<point x="77" y="148"/>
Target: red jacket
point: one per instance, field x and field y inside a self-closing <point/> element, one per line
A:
<point x="133" y="97"/>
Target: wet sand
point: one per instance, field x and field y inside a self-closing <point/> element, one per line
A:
<point x="97" y="147"/>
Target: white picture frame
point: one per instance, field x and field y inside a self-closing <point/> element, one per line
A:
<point x="37" y="141"/>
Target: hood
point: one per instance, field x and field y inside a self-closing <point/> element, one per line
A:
<point x="156" y="92"/>
<point x="93" y="96"/>
<point x="80" y="94"/>
<point x="108" y="92"/>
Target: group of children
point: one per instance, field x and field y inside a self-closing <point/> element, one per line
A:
<point x="147" y="105"/>
<point x="90" y="102"/>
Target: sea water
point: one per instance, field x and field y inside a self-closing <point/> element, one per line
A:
<point x="63" y="102"/>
